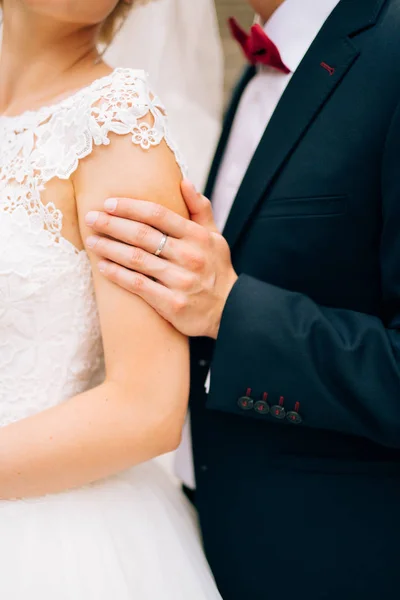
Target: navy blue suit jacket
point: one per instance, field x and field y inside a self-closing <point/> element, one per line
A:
<point x="299" y="492"/>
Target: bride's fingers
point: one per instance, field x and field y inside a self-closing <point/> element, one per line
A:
<point x="130" y="232"/>
<point x="136" y="259"/>
<point x="155" y="294"/>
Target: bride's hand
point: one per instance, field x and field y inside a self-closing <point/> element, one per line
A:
<point x="189" y="282"/>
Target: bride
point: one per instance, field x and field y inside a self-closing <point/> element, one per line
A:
<point x="84" y="512"/>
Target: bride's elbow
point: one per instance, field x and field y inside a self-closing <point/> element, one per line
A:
<point x="155" y="425"/>
<point x="167" y="432"/>
<point x="170" y="440"/>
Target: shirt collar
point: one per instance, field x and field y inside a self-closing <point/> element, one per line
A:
<point x="294" y="26"/>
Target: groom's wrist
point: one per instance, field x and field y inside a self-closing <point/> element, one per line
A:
<point x="220" y="308"/>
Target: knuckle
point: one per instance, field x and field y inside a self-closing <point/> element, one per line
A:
<point x="136" y="256"/>
<point x="137" y="283"/>
<point x="196" y="262"/>
<point x="187" y="282"/>
<point x="179" y="304"/>
<point x="142" y="232"/>
<point x="158" y="212"/>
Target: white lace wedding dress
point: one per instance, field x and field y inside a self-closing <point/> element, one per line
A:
<point x="133" y="536"/>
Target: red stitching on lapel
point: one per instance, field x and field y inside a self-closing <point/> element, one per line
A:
<point x="330" y="70"/>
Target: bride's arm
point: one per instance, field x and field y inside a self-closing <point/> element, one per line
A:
<point x="138" y="412"/>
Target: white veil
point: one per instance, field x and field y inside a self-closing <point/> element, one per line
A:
<point x="177" y="42"/>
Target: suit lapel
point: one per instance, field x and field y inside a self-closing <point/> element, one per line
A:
<point x="308" y="91"/>
<point x="226" y="130"/>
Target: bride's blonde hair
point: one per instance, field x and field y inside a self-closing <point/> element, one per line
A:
<point x="114" y="21"/>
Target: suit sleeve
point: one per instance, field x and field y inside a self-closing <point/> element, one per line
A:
<point x="335" y="369"/>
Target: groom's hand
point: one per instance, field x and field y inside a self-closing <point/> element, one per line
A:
<point x="189" y="283"/>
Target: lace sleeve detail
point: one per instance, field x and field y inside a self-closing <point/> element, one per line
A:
<point x="122" y="105"/>
<point x="38" y="146"/>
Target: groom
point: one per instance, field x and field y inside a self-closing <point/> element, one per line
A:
<point x="297" y="442"/>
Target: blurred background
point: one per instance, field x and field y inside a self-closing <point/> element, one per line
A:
<point x="186" y="47"/>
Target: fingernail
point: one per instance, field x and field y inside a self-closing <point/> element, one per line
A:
<point x="110" y="204"/>
<point x="91" y="241"/>
<point x="102" y="266"/>
<point x="91" y="217"/>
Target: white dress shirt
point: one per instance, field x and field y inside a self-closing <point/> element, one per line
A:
<point x="293" y="27"/>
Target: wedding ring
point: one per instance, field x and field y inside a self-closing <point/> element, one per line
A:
<point x="162" y="245"/>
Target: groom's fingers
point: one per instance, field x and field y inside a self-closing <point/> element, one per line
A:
<point x="199" y="206"/>
<point x="155" y="294"/>
<point x="129" y="232"/>
<point x="152" y="214"/>
<point x="139" y="261"/>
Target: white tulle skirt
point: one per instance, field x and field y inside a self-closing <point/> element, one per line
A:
<point x="132" y="537"/>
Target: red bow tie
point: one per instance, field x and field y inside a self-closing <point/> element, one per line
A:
<point x="258" y="47"/>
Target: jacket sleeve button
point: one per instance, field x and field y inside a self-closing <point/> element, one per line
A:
<point x="294" y="417"/>
<point x="278" y="412"/>
<point x="261" y="407"/>
<point x="246" y="403"/>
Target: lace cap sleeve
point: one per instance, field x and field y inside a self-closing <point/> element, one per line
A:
<point x="123" y="105"/>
